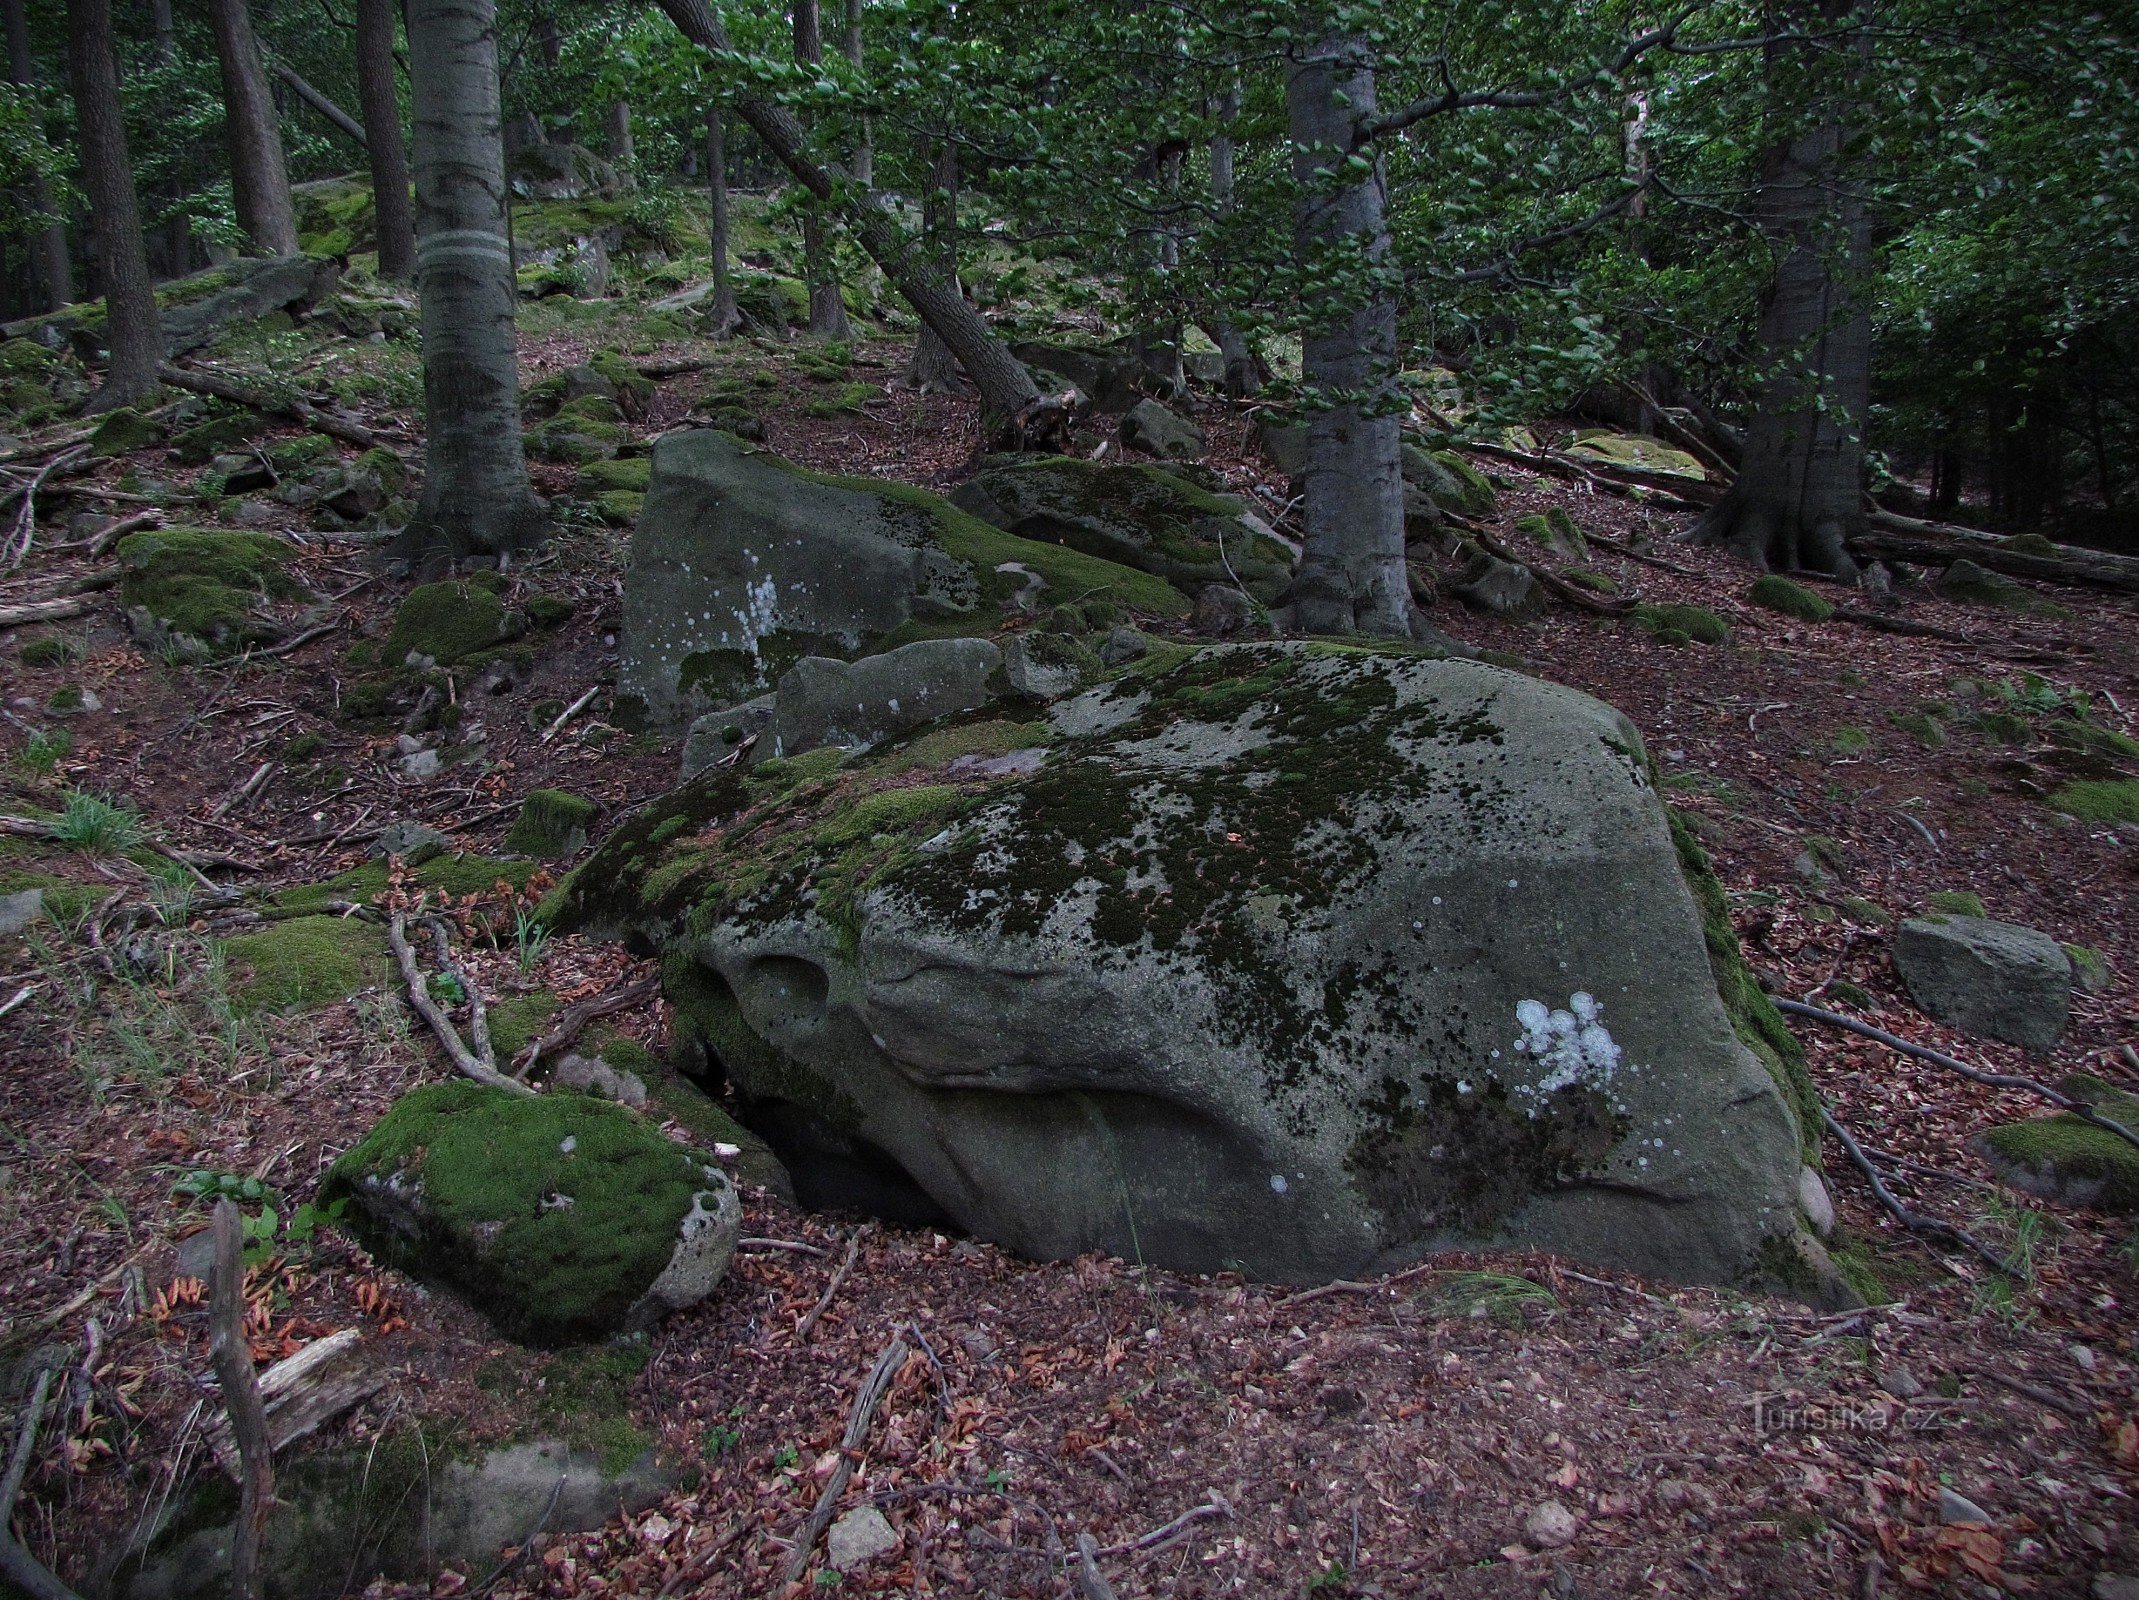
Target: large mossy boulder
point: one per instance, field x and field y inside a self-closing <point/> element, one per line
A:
<point x="204" y="592"/>
<point x="1996" y="980"/>
<point x="1306" y="960"/>
<point x="193" y="311"/>
<point x="2066" y="1158"/>
<point x="1142" y="516"/>
<point x="742" y="564"/>
<point x="560" y="1217"/>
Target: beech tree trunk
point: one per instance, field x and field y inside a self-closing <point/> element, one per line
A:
<point x="381" y="106"/>
<point x="934" y="370"/>
<point x="724" y="318"/>
<point x="622" y="155"/>
<point x="864" y="151"/>
<point x="131" y="330"/>
<point x="259" y="181"/>
<point x="1243" y="368"/>
<point x="828" y="312"/>
<point x="48" y="245"/>
<point x="476" y="496"/>
<point x="1351" y="577"/>
<point x="1007" y="390"/>
<point x="1799" y="494"/>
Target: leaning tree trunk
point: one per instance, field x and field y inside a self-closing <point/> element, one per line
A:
<point x="382" y="134"/>
<point x="934" y="370"/>
<point x="1799" y="494"/>
<point x="724" y="318"/>
<point x="259" y="181"/>
<point x="476" y="497"/>
<point x="1008" y="395"/>
<point x="48" y="245"/>
<point x="828" y="312"/>
<point x="1351" y="577"/>
<point x="131" y="330"/>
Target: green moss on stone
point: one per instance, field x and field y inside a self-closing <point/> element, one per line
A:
<point x="206" y="585"/>
<point x="305" y="963"/>
<point x="632" y="472"/>
<point x="1685" y="621"/>
<point x="1778" y="593"/>
<point x="1924" y="728"/>
<point x="553" y="1213"/>
<point x="551" y="824"/>
<point x="2100" y="800"/>
<point x="2073" y="1157"/>
<point x="123" y="431"/>
<point x="50" y="651"/>
<point x="1956" y="903"/>
<point x="515" y="1021"/>
<point x="448" y="622"/>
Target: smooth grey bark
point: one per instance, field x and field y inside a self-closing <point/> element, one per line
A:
<point x="476" y="496"/>
<point x="131" y="331"/>
<point x="622" y="155"/>
<point x="1799" y="494"/>
<point x="1351" y="577"/>
<point x="1243" y="368"/>
<point x="933" y="369"/>
<point x="864" y="151"/>
<point x="381" y="104"/>
<point x="1008" y="396"/>
<point x="259" y="180"/>
<point x="49" y="266"/>
<point x="828" y="311"/>
<point x="724" y="318"/>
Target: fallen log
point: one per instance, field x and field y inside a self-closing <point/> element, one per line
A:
<point x="1673" y="491"/>
<point x="1931" y="544"/>
<point x="314" y="1386"/>
<point x="243" y="394"/>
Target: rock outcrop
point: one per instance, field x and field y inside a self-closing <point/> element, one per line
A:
<point x="1305" y="960"/>
<point x="742" y="564"/>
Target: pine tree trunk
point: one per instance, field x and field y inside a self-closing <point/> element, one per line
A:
<point x="48" y="245"/>
<point x="1006" y="388"/>
<point x="1799" y="494"/>
<point x="828" y="312"/>
<point x="934" y="370"/>
<point x="476" y="497"/>
<point x="724" y="318"/>
<point x="864" y="151"/>
<point x="131" y="330"/>
<point x="259" y="182"/>
<point x="1351" y="577"/>
<point x="381" y="105"/>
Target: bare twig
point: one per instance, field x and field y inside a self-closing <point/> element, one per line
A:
<point x="301" y="640"/>
<point x="1914" y="1221"/>
<point x="846" y="1265"/>
<point x="244" y="791"/>
<point x="478" y="1018"/>
<point x="18" y="1463"/>
<point x="1938" y="1058"/>
<point x="17" y="543"/>
<point x="465" y="1062"/>
<point x="2041" y="1396"/>
<point x="1091" y="1584"/>
<point x="112" y="532"/>
<point x="796" y="1246"/>
<point x="871" y="1396"/>
<point x="569" y="713"/>
<point x="241" y="1399"/>
<point x="575" y="1018"/>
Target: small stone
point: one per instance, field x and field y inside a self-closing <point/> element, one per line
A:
<point x="858" y="1538"/>
<point x="1148" y="426"/>
<point x="1549" y="1526"/>
<point x="420" y="766"/>
<point x="1221" y="610"/>
<point x="2084" y="1357"/>
<point x="18" y="911"/>
<point x="1991" y="979"/>
<point x="592" y="1075"/>
<point x="1901" y="1383"/>
<point x="1814" y="1201"/>
<point x="1124" y="644"/>
<point x="196" y="1255"/>
<point x="414" y="842"/>
<point x="1953" y="1508"/>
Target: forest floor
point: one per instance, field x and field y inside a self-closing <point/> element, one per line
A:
<point x="1214" y="1435"/>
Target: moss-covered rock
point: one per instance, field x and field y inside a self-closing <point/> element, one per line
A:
<point x="1142" y="516"/>
<point x="230" y="430"/>
<point x="123" y="431"/>
<point x="2066" y="1158"/>
<point x="1777" y="593"/>
<point x="1556" y="531"/>
<point x="1679" y="624"/>
<point x="551" y="824"/>
<point x="204" y="586"/>
<point x="1264" y="964"/>
<point x="1955" y="903"/>
<point x="1448" y="479"/>
<point x="1636" y="450"/>
<point x="450" y="621"/>
<point x="304" y="963"/>
<point x="634" y="473"/>
<point x="2099" y="800"/>
<point x="560" y="1217"/>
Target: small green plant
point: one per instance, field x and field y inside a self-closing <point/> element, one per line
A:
<point x="208" y="1186"/>
<point x="1850" y="740"/>
<point x="1499" y="1297"/>
<point x="96" y="827"/>
<point x="44" y="751"/>
<point x="784" y="1457"/>
<point x="719" y="1439"/>
<point x="531" y="940"/>
<point x="447" y="986"/>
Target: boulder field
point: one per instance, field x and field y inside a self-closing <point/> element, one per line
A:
<point x="1304" y="960"/>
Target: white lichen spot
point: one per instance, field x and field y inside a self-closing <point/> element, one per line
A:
<point x="1278" y="1185"/>
<point x="571" y="1143"/>
<point x="1573" y="1046"/>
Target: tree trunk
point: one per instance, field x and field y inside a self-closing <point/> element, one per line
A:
<point x="1799" y="495"/>
<point x="864" y="150"/>
<point x="622" y="156"/>
<point x="178" y="228"/>
<point x="1243" y="368"/>
<point x="724" y="318"/>
<point x="934" y="370"/>
<point x="476" y="497"/>
<point x="48" y="245"/>
<point x="131" y="330"/>
<point x="828" y="312"/>
<point x="259" y="182"/>
<point x="319" y="101"/>
<point x="1007" y="392"/>
<point x="381" y="104"/>
<point x="1351" y="577"/>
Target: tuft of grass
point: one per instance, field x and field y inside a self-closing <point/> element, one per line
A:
<point x="1850" y="740"/>
<point x="96" y="827"/>
<point x="44" y="750"/>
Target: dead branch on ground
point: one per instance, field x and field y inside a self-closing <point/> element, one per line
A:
<point x="859" y="1420"/>
<point x="482" y="1069"/>
<point x="233" y="1362"/>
